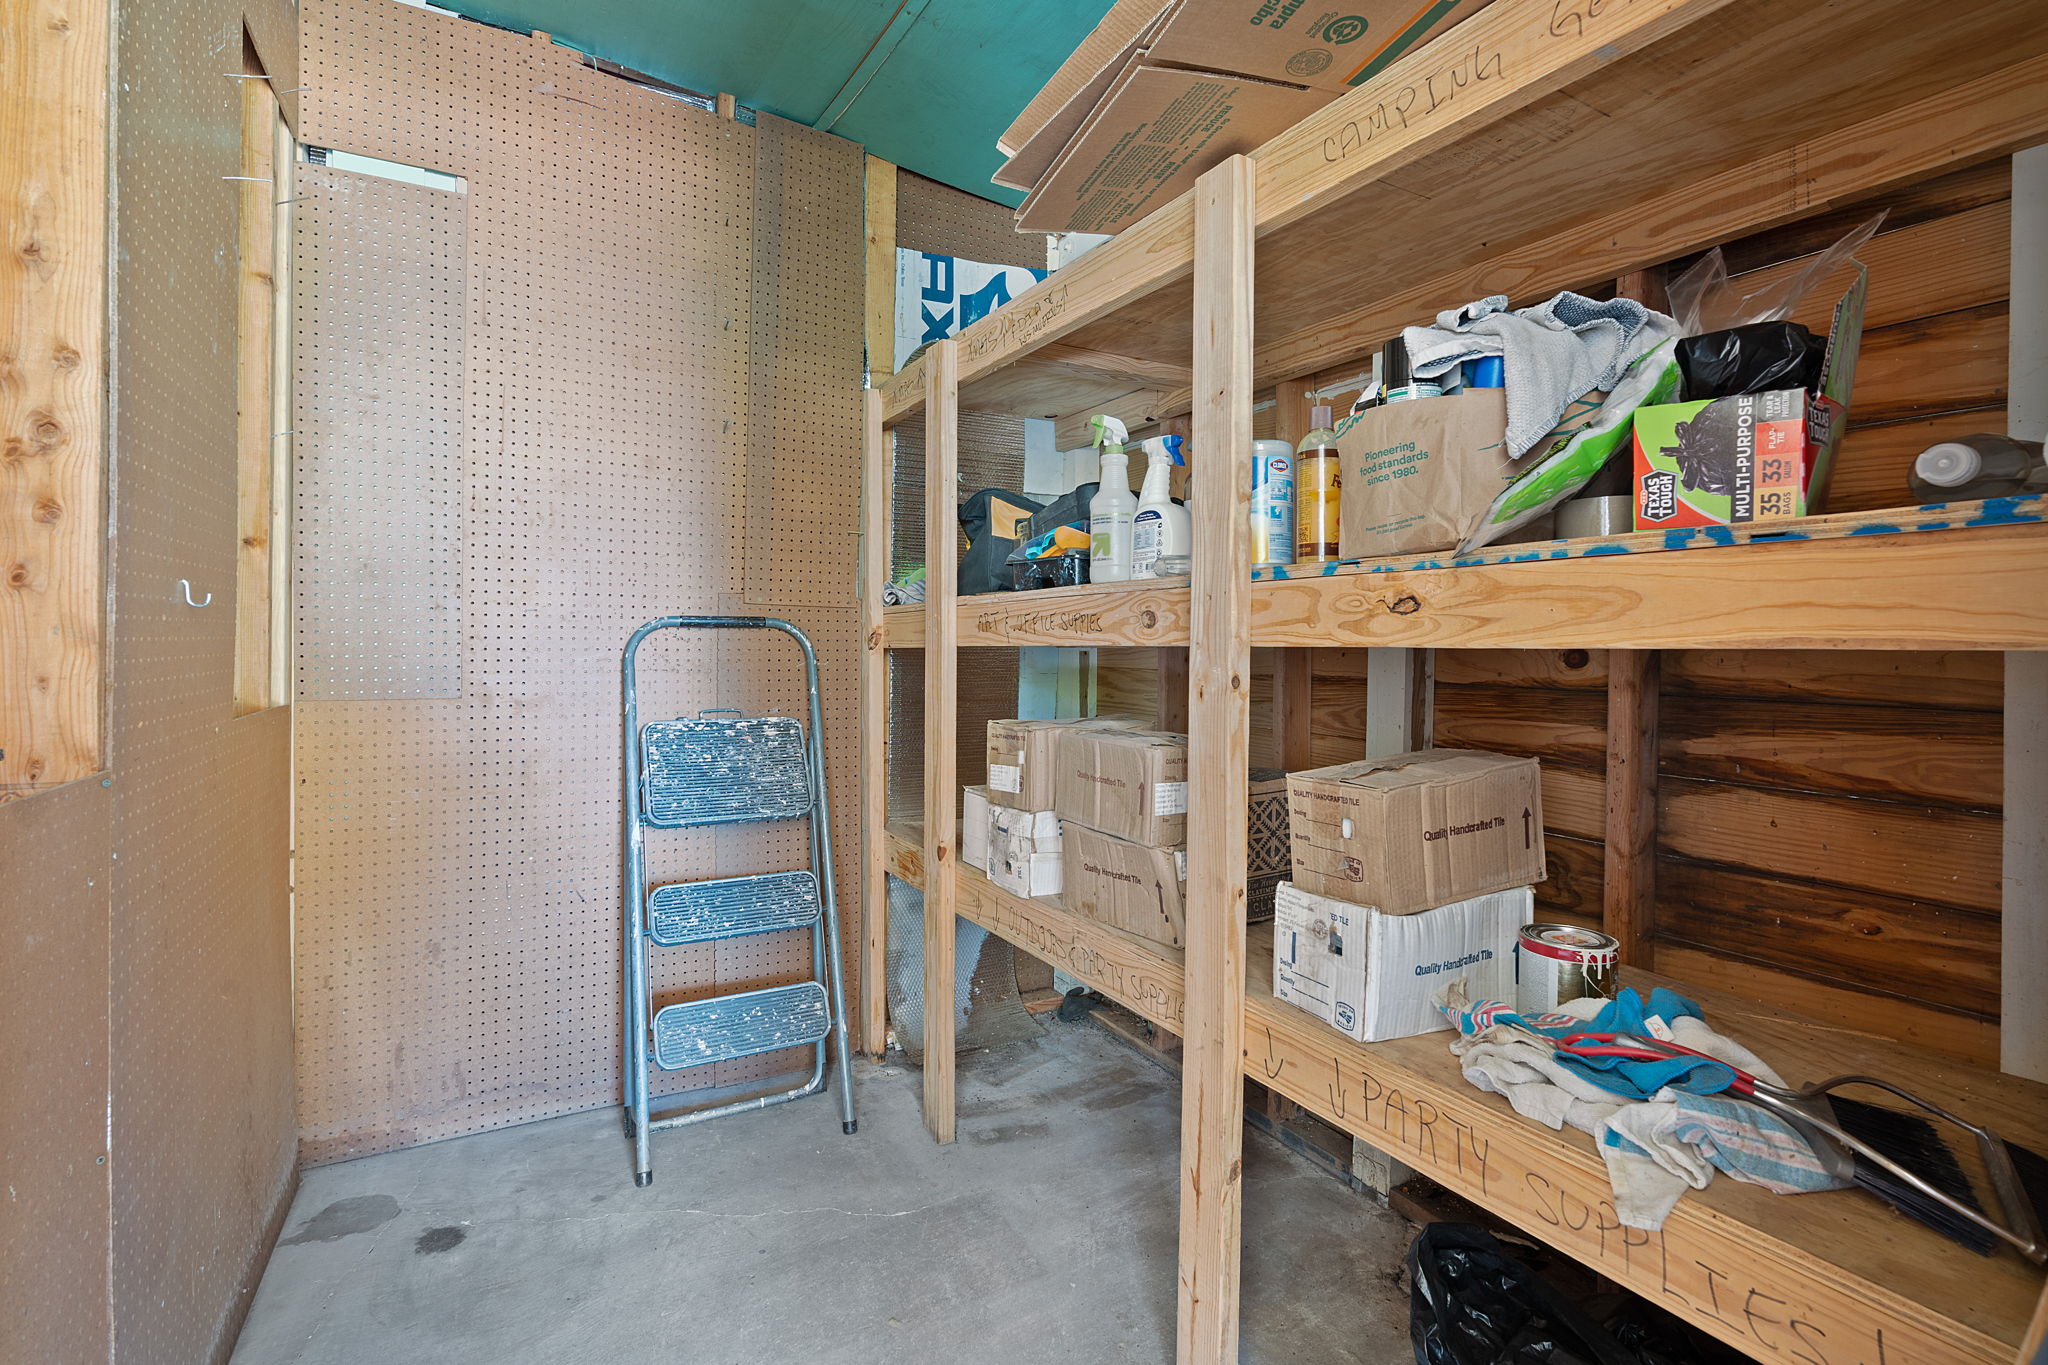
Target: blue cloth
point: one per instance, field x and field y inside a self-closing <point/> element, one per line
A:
<point x="1625" y="1013"/>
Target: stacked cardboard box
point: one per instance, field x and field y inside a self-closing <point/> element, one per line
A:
<point x="1162" y="90"/>
<point x="1409" y="872"/>
<point x="1122" y="798"/>
<point x="1008" y="829"/>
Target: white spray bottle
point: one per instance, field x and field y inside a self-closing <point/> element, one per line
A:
<point x="1162" y="526"/>
<point x="1112" y="509"/>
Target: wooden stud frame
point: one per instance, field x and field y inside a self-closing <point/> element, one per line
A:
<point x="1629" y="882"/>
<point x="874" y="727"/>
<point x="941" y="701"/>
<point x="1219" y="724"/>
<point x="53" y="407"/>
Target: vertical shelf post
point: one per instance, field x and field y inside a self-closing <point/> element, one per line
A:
<point x="1628" y="907"/>
<point x="941" y="746"/>
<point x="1219" y="724"/>
<point x="874" y="727"/>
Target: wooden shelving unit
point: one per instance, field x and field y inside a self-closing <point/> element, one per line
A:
<point x="1544" y="144"/>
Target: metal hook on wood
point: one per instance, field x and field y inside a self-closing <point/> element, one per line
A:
<point x="186" y="585"/>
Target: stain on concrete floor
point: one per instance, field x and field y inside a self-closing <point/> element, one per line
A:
<point x="344" y="1218"/>
<point x="1046" y="1235"/>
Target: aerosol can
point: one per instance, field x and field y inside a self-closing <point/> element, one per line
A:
<point x="1272" y="502"/>
<point x="1112" y="509"/>
<point x="1162" y="526"/>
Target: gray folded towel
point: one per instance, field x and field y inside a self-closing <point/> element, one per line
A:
<point x="1551" y="354"/>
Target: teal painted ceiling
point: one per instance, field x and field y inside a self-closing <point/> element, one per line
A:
<point x="927" y="84"/>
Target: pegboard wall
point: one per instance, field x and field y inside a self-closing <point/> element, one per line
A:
<point x="377" y="275"/>
<point x="145" y="977"/>
<point x="660" y="337"/>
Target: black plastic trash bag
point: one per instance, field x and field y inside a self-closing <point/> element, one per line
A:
<point x="1754" y="359"/>
<point x="1472" y="1303"/>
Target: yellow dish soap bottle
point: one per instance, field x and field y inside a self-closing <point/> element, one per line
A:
<point x="1316" y="481"/>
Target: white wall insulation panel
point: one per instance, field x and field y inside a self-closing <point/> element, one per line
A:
<point x="377" y="283"/>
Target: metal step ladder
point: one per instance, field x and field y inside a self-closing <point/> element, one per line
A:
<point x="719" y="768"/>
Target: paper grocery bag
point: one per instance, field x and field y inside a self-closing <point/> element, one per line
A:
<point x="1417" y="475"/>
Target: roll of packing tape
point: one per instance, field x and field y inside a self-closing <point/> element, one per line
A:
<point x="1582" y="517"/>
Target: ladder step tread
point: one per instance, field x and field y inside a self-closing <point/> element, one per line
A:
<point x="731" y="907"/>
<point x="722" y="770"/>
<point x="727" y="1026"/>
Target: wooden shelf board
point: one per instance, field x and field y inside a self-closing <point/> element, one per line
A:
<point x="1525" y="96"/>
<point x="1826" y="1279"/>
<point x="1962" y="576"/>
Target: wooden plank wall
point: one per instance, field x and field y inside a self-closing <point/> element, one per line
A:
<point x="1829" y="821"/>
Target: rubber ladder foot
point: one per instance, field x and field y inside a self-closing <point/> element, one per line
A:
<point x="642" y="1179"/>
<point x="850" y="1125"/>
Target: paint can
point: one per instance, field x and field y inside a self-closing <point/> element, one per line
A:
<point x="1272" y="502"/>
<point x="1559" y="962"/>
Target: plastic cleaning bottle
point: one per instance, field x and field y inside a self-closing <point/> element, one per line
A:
<point x="1981" y="466"/>
<point x="1162" y="526"/>
<point x="1272" y="502"/>
<point x="1112" y="509"/>
<point x="1315" y="492"/>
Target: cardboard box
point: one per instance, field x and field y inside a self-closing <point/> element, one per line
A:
<point x="1129" y="783"/>
<point x="974" y="826"/>
<point x="1146" y="105"/>
<point x="1321" y="46"/>
<point x="1414" y="831"/>
<point x="1119" y="32"/>
<point x="1375" y="976"/>
<point x="1269" y="857"/>
<point x="1723" y="460"/>
<point x="1753" y="456"/>
<point x="1127" y="886"/>
<point x="1022" y="757"/>
<point x="1418" y="475"/>
<point x="1155" y="132"/>
<point x="1024" y="849"/>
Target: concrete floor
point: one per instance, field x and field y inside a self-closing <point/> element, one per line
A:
<point x="1046" y="1234"/>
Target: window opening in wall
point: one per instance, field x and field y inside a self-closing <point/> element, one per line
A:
<point x="389" y="170"/>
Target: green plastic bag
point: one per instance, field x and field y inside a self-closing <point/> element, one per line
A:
<point x="1571" y="463"/>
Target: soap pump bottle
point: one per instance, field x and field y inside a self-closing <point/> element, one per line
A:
<point x="1162" y="526"/>
<point x="1112" y="509"/>
<point x="1316" y="491"/>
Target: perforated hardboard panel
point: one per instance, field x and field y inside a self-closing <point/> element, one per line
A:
<point x="57" y="852"/>
<point x="459" y="889"/>
<point x="199" y="1054"/>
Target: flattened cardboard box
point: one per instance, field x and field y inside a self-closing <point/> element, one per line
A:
<point x="1419" y="830"/>
<point x="1155" y="132"/>
<point x="1023" y="756"/>
<point x="1025" y="851"/>
<point x="1129" y="783"/>
<point x="1127" y="886"/>
<point x="1126" y="25"/>
<point x="1375" y="976"/>
<point x="1162" y="101"/>
<point x="1324" y="47"/>
<point x="974" y="826"/>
